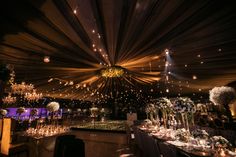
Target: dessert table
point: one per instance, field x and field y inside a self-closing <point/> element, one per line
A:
<point x="154" y="143"/>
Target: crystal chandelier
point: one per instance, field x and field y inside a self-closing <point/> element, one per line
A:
<point x="9" y="99"/>
<point x="34" y="96"/>
<point x="113" y="71"/>
<point x="22" y="88"/>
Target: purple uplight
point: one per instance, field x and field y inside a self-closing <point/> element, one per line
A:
<point x="42" y="112"/>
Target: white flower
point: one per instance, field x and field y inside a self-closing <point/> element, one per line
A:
<point x="164" y="103"/>
<point x="198" y="133"/>
<point x="3" y="112"/>
<point x="219" y="141"/>
<point x="20" y="110"/>
<point x="94" y="111"/>
<point x="33" y="111"/>
<point x="53" y="106"/>
<point x="222" y="95"/>
<point x="150" y="108"/>
<point x="184" y="104"/>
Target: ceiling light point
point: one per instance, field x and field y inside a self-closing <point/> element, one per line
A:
<point x="167" y="51"/>
<point x="112" y="71"/>
<point x="46" y="59"/>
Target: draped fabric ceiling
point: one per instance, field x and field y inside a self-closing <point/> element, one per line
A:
<point x="83" y="36"/>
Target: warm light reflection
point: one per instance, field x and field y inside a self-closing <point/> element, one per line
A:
<point x="113" y="71"/>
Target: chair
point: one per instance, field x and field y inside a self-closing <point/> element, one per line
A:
<point x="152" y="148"/>
<point x="68" y="146"/>
<point x="167" y="150"/>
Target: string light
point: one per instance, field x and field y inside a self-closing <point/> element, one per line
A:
<point x="194" y="77"/>
<point x="46" y="59"/>
<point x="21" y="88"/>
<point x="34" y="96"/>
<point x="50" y="80"/>
<point x="167" y="51"/>
<point x="9" y="99"/>
<point x="75" y="11"/>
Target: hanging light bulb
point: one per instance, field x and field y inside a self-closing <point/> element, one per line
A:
<point x="167" y="51"/>
<point x="46" y="59"/>
<point x="194" y="77"/>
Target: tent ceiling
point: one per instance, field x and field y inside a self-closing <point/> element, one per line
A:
<point x="133" y="34"/>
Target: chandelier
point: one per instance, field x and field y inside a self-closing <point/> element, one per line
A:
<point x="21" y="88"/>
<point x="113" y="71"/>
<point x="9" y="99"/>
<point x="33" y="96"/>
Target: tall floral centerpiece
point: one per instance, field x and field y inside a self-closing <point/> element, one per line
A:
<point x="33" y="112"/>
<point x="20" y="111"/>
<point x="165" y="106"/>
<point x="185" y="106"/>
<point x="223" y="96"/>
<point x="53" y="107"/>
<point x="103" y="113"/>
<point x="151" y="111"/>
<point x="94" y="113"/>
<point x="3" y="112"/>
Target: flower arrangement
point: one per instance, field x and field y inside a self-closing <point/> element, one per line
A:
<point x="84" y="110"/>
<point x="104" y="112"/>
<point x="182" y="135"/>
<point x="33" y="112"/>
<point x="3" y="112"/>
<point x="222" y="95"/>
<point x="164" y="104"/>
<point x="147" y="122"/>
<point x="183" y="105"/>
<point x="53" y="106"/>
<point x="94" y="111"/>
<point x="150" y="108"/>
<point x="201" y="108"/>
<point x="20" y="110"/>
<point x="219" y="142"/>
<point x="199" y="133"/>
